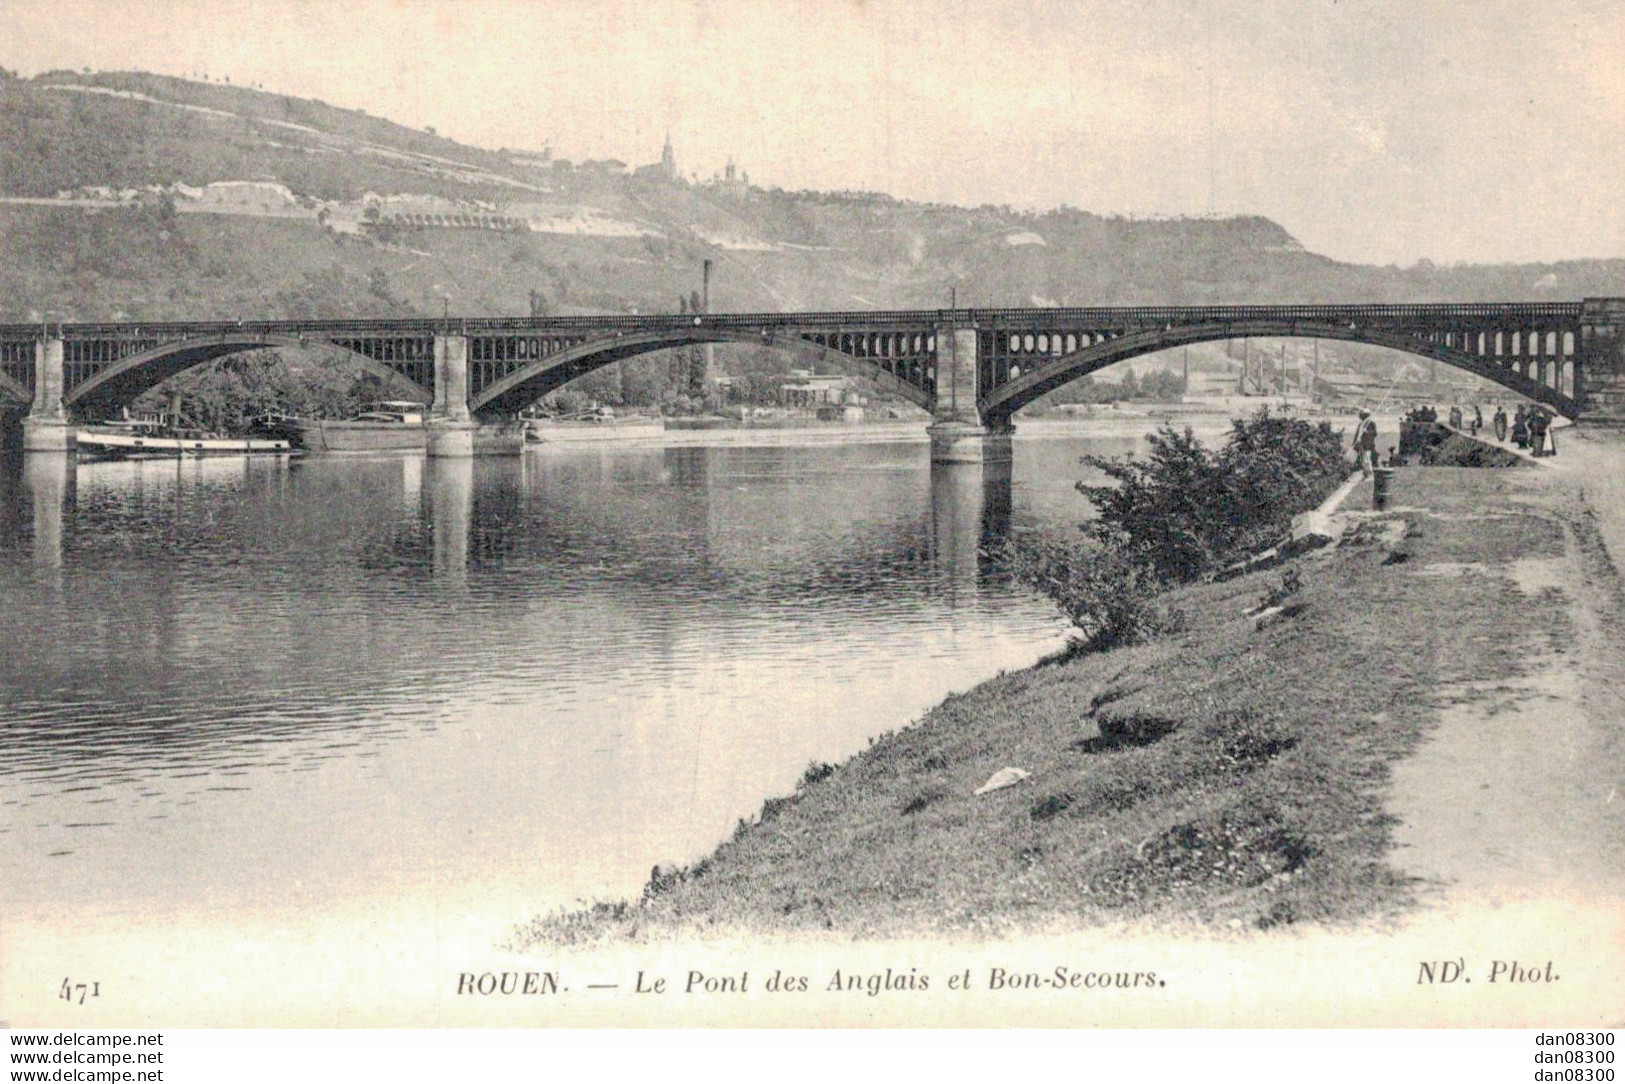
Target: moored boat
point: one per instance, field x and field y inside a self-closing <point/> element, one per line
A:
<point x="391" y="426"/>
<point x="565" y="431"/>
<point x="136" y="439"/>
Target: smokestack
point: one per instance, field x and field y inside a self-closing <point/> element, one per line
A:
<point x="700" y="377"/>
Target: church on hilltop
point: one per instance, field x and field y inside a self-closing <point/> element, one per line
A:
<point x="733" y="183"/>
<point x="663" y="170"/>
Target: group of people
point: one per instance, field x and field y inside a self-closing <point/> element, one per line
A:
<point x="1472" y="427"/>
<point x="1530" y="428"/>
<point x="1457" y="418"/>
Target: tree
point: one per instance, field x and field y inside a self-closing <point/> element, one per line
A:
<point x="603" y="385"/>
<point x="228" y="394"/>
<point x="376" y="225"/>
<point x="758" y="388"/>
<point x="1162" y="386"/>
<point x="568" y="400"/>
<point x="677" y="374"/>
<point x="644" y="380"/>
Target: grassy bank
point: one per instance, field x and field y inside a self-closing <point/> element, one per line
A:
<point x="1229" y="774"/>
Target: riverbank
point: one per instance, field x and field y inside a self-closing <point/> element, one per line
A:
<point x="1430" y="721"/>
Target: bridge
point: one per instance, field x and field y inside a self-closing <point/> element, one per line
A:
<point x="972" y="369"/>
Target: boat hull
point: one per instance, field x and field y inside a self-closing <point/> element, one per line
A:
<point x="363" y="436"/>
<point x="131" y="445"/>
<point x="354" y="436"/>
<point x="547" y="432"/>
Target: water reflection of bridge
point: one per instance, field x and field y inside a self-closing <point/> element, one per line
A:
<point x="463" y="515"/>
<point x="464" y="541"/>
<point x="491" y="511"/>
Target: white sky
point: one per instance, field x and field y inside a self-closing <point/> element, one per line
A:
<point x="1373" y="130"/>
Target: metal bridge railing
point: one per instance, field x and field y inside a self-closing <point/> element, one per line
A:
<point x="1107" y="316"/>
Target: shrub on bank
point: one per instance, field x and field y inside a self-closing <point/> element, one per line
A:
<point x="1275" y="468"/>
<point x="1175" y="514"/>
<point x="1183" y="510"/>
<point x="1108" y="596"/>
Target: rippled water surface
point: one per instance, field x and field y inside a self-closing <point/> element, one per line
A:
<point x="265" y="685"/>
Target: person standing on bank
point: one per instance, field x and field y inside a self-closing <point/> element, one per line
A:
<point x="1539" y="423"/>
<point x="1365" y="443"/>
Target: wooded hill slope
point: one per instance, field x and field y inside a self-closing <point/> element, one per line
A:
<point x="222" y="201"/>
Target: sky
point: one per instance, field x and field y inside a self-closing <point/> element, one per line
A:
<point x="1374" y="131"/>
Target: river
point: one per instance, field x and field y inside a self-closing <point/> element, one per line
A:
<point x="239" y="690"/>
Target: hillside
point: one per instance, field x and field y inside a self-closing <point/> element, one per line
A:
<point x="135" y="196"/>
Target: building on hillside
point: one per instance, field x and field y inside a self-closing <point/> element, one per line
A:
<point x="1358" y="388"/>
<point x="734" y="184"/>
<point x="542" y="159"/>
<point x="1349" y="387"/>
<point x="807" y="391"/>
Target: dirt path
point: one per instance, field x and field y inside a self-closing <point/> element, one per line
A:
<point x="1519" y="792"/>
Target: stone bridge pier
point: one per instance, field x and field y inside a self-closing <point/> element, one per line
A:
<point x="48" y="427"/>
<point x="958" y="433"/>
<point x="451" y="427"/>
<point x="1602" y="348"/>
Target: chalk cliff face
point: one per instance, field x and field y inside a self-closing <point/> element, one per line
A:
<point x="134" y="195"/>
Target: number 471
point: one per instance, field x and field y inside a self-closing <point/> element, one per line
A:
<point x="72" y="991"/>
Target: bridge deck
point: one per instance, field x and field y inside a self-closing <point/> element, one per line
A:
<point x="1094" y="316"/>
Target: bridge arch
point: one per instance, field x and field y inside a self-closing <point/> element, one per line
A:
<point x="123" y="381"/>
<point x="12" y="391"/>
<point x="522" y="387"/>
<point x="1096" y="352"/>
